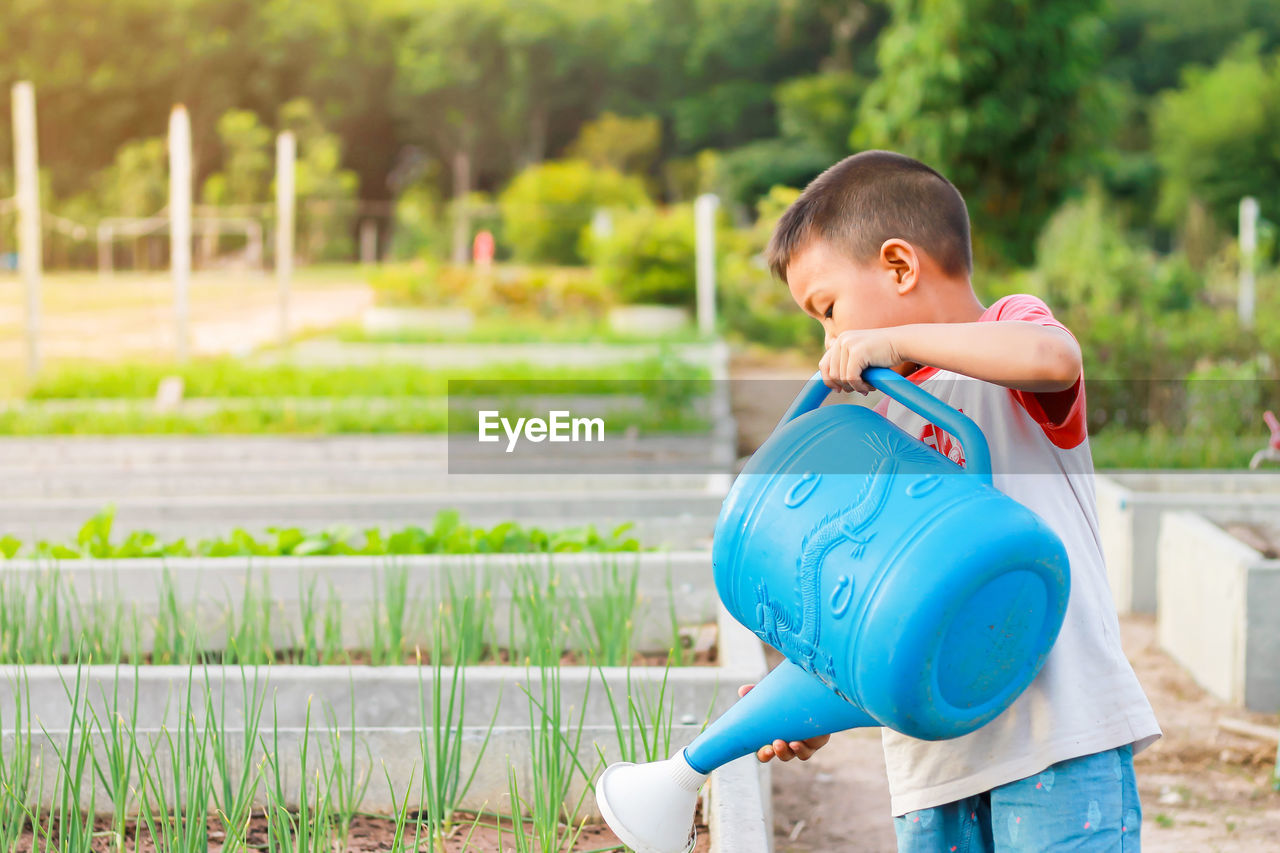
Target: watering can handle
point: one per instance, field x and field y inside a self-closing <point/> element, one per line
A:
<point x="924" y="404"/>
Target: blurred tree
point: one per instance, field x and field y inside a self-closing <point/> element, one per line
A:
<point x="1217" y="137"/>
<point x="1148" y="44"/>
<point x="451" y="69"/>
<point x="552" y="47"/>
<point x="746" y="173"/>
<point x="326" y="192"/>
<point x="107" y="72"/>
<point x="820" y="110"/>
<point x="342" y="56"/>
<point x="708" y="68"/>
<point x="1000" y="96"/>
<point x="137" y="184"/>
<point x="627" y="144"/>
<point x="247" y="161"/>
<point x="649" y="257"/>
<point x="1150" y="41"/>
<point x="1085" y="261"/>
<point x="546" y="207"/>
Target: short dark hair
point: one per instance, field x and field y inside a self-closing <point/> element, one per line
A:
<point x="870" y="197"/>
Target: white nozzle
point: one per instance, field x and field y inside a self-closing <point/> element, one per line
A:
<point x="650" y="806"/>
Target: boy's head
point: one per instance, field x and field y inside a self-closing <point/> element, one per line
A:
<point x="874" y="241"/>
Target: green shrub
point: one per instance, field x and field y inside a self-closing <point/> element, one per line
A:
<point x="547" y="206"/>
<point x="756" y="306"/>
<point x="649" y="257"/>
<point x="537" y="291"/>
<point x="1084" y="259"/>
<point x="1224" y="398"/>
<point x="420" y="227"/>
<point x="745" y="174"/>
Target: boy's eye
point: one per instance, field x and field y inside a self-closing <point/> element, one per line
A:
<point x="830" y="310"/>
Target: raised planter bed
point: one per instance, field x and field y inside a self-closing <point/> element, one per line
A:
<point x="382" y="320"/>
<point x="1217" y="608"/>
<point x="371" y="718"/>
<point x="377" y="714"/>
<point x="345" y="458"/>
<point x="1131" y="505"/>
<point x="465" y="355"/>
<point x="671" y="518"/>
<point x="648" y="319"/>
<point x="207" y="591"/>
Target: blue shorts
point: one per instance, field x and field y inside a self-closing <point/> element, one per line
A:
<point x="1088" y="803"/>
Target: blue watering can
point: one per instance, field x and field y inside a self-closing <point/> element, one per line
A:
<point x="904" y="591"/>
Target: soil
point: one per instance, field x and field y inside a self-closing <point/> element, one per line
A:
<point x="131" y="315"/>
<point x="695" y="654"/>
<point x="1202" y="787"/>
<point x="370" y="834"/>
<point x="762" y="385"/>
<point x="1263" y="538"/>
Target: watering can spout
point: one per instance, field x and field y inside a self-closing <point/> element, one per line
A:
<point x="650" y="806"/>
<point x="788" y="704"/>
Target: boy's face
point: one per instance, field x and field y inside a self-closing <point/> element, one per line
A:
<point x="844" y="295"/>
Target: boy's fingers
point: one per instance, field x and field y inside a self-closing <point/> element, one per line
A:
<point x="830" y="365"/>
<point x="744" y="690"/>
<point x="846" y="359"/>
<point x="804" y="749"/>
<point x="828" y="375"/>
<point x="764" y="753"/>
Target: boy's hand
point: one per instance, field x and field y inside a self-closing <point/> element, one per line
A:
<point x="801" y="749"/>
<point x="851" y="352"/>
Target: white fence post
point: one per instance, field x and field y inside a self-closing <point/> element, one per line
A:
<point x="180" y="223"/>
<point x="704" y="215"/>
<point x="1248" y="248"/>
<point x="26" y="172"/>
<point x="286" y="154"/>
<point x="369" y="242"/>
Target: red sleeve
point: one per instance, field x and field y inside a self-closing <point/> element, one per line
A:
<point x="1061" y="414"/>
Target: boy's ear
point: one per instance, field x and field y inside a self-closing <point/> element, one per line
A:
<point x="899" y="259"/>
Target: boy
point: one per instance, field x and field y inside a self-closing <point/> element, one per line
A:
<point x="877" y="250"/>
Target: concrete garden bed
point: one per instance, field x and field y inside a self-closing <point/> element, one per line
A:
<point x="378" y="713"/>
<point x="1131" y="505"/>
<point x="371" y="722"/>
<point x="208" y="592"/>
<point x="670" y="518"/>
<point x="465" y="355"/>
<point x="347" y="460"/>
<point x="672" y="487"/>
<point x="1217" y="609"/>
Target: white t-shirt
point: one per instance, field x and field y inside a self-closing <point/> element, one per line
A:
<point x="1087" y="698"/>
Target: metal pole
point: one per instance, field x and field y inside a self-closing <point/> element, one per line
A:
<point x="105" y="260"/>
<point x="286" y="154"/>
<point x="180" y="222"/>
<point x="1248" y="248"/>
<point x="462" y="216"/>
<point x="369" y="242"/>
<point x="704" y="215"/>
<point x="26" y="171"/>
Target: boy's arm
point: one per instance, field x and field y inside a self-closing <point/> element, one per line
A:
<point x="1016" y="354"/>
